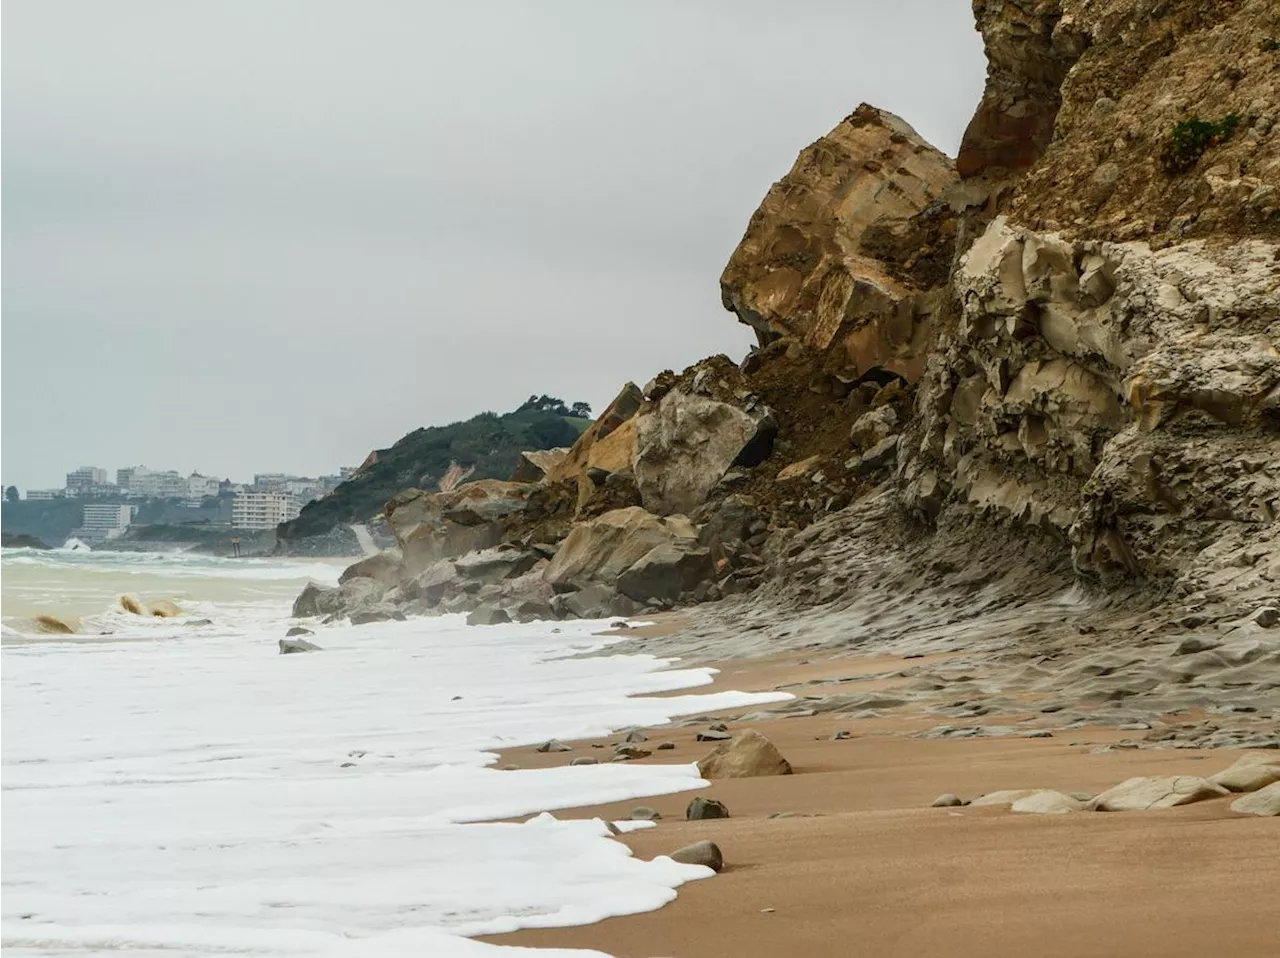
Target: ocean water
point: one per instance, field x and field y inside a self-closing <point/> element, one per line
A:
<point x="176" y="787"/>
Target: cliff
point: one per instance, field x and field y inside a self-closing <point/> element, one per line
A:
<point x="1031" y="394"/>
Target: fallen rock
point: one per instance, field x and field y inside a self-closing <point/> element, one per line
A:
<point x="385" y="567"/>
<point x="946" y="801"/>
<point x="643" y="813"/>
<point x="1196" y="643"/>
<point x="585" y="760"/>
<point x="1265" y="801"/>
<point x="316" y="600"/>
<point x="1249" y="774"/>
<point x="689" y="442"/>
<point x="554" y="745"/>
<point x="630" y="752"/>
<point x="636" y="735"/>
<point x="746" y="755"/>
<point x="298" y="630"/>
<point x="666" y="746"/>
<point x="600" y="550"/>
<point x="290" y="646"/>
<point x="377" y="614"/>
<point x="714" y="735"/>
<point x="487" y="614"/>
<point x="1168" y="791"/>
<point x="700" y="853"/>
<point x="701" y="808"/>
<point x="1046" y="801"/>
<point x="1005" y="796"/>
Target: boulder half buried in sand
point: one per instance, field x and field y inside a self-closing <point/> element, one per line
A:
<point x="746" y="755"/>
<point x="700" y="853"/>
<point x="1166" y="791"/>
<point x="1265" y="801"/>
<point x="1249" y="773"/>
<point x="1046" y="801"/>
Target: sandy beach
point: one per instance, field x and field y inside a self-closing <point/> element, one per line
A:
<point x="846" y="856"/>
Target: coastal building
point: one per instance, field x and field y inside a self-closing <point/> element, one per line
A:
<point x="104" y="521"/>
<point x="198" y="486"/>
<point x="80" y="481"/>
<point x="263" y="510"/>
<point x="36" y="495"/>
<point x="144" y="483"/>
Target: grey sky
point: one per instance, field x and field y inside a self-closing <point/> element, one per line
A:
<point x="261" y="236"/>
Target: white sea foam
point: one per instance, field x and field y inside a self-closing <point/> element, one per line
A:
<point x="200" y="794"/>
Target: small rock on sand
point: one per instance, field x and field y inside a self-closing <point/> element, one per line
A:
<point x="643" y="813"/>
<point x="714" y="735"/>
<point x="746" y="755"/>
<point x="635" y="735"/>
<point x="700" y="853"/>
<point x="298" y="630"/>
<point x="1046" y="801"/>
<point x="701" y="808"/>
<point x="947" y="801"/>
<point x="1265" y="801"/>
<point x="1167" y="791"/>
<point x="585" y="760"/>
<point x="554" y="745"/>
<point x="630" y="752"/>
<point x="666" y="746"/>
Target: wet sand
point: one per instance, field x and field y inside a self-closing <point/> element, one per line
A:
<point x="863" y="865"/>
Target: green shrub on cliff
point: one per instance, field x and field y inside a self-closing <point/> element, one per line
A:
<point x="1190" y="138"/>
<point x="488" y="442"/>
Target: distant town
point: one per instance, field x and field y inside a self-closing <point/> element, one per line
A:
<point x="110" y="508"/>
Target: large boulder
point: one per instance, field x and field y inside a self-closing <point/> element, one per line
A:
<point x="746" y="755"/>
<point x="1249" y="773"/>
<point x="666" y="572"/>
<point x="385" y="567"/>
<point x="316" y="600"/>
<point x="1265" y="801"/>
<point x="430" y="526"/>
<point x="537" y="464"/>
<point x="1167" y="791"/>
<point x="602" y="549"/>
<point x="685" y="447"/>
<point x="607" y="445"/>
<point x="824" y="259"/>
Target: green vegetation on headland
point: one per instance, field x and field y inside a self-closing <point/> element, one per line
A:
<point x="51" y="520"/>
<point x="488" y="444"/>
<point x="1190" y="138"/>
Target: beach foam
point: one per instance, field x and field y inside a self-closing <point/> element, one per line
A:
<point x="202" y="794"/>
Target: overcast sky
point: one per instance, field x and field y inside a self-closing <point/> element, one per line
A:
<point x="270" y="236"/>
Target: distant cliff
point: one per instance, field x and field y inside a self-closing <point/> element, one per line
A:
<point x="488" y="444"/>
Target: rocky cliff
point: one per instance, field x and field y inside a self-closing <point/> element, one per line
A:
<point x="1051" y="365"/>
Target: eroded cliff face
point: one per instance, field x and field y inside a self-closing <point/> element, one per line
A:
<point x="1101" y="376"/>
<point x="1053" y="362"/>
<point x="1097" y="363"/>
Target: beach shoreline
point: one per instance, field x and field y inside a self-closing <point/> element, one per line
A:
<point x="846" y="856"/>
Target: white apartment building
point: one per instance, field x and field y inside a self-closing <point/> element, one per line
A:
<point x="263" y="510"/>
<point x="43" y="494"/>
<point x="102" y="521"/>
<point x="199" y="486"/>
<point x="166" y="484"/>
<point x="84" y="478"/>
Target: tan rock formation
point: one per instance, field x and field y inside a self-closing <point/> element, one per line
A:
<point x="746" y="755"/>
<point x="604" y="549"/>
<point x="815" y="260"/>
<point x="537" y="464"/>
